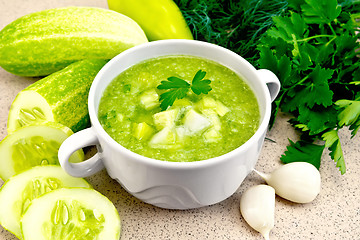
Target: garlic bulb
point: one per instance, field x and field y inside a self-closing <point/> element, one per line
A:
<point x="298" y="182"/>
<point x="257" y="206"/>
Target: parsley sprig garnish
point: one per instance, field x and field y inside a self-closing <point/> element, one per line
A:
<point x="178" y="88"/>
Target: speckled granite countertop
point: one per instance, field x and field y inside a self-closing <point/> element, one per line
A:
<point x="335" y="213"/>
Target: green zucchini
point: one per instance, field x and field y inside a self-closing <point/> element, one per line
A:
<point x="17" y="192"/>
<point x="36" y="144"/>
<point x="44" y="42"/>
<point x="71" y="213"/>
<point x="60" y="97"/>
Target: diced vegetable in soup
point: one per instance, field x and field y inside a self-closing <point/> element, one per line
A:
<point x="195" y="127"/>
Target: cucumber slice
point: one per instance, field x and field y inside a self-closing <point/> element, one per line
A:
<point x="142" y="131"/>
<point x="149" y="99"/>
<point x="212" y="135"/>
<point x="210" y="103"/>
<point x="17" y="193"/>
<point x="60" y="97"/>
<point x="221" y="109"/>
<point x="195" y="122"/>
<point x="163" y="138"/>
<point x="166" y="118"/>
<point x="33" y="145"/>
<point x="71" y="213"/>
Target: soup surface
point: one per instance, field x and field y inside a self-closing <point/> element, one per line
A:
<point x="194" y="128"/>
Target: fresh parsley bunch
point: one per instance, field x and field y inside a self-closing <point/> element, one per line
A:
<point x="310" y="45"/>
<point x="313" y="50"/>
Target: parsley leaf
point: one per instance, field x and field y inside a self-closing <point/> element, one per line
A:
<point x="317" y="120"/>
<point x="332" y="142"/>
<point x="168" y="98"/>
<point x="315" y="92"/>
<point x="302" y="151"/>
<point x="281" y="66"/>
<point x="174" y="82"/>
<point x="199" y="84"/>
<point x="350" y="115"/>
<point x="320" y="11"/>
<point x="288" y="28"/>
<point x="178" y="88"/>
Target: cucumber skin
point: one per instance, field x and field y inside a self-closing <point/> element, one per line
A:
<point x="67" y="90"/>
<point x="44" y="42"/>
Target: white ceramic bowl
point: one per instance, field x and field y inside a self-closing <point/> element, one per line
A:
<point x="173" y="185"/>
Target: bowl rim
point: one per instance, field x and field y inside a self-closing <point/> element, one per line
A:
<point x="102" y="134"/>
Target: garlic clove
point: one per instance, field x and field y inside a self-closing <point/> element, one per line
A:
<point x="298" y="182"/>
<point x="257" y="206"/>
<point x="264" y="176"/>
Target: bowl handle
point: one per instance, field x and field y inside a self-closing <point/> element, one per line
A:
<point x="272" y="82"/>
<point x="75" y="142"/>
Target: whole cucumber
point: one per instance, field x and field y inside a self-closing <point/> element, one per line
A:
<point x="44" y="42"/>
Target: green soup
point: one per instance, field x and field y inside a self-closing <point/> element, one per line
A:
<point x="196" y="127"/>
